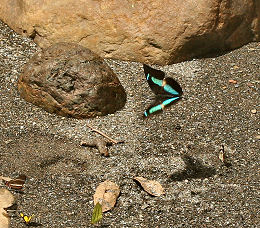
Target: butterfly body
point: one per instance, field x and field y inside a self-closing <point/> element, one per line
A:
<point x="167" y="90"/>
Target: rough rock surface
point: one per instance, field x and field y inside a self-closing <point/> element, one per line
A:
<point x="152" y="31"/>
<point x="70" y="80"/>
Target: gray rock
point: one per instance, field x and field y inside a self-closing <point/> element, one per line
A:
<point x="70" y="80"/>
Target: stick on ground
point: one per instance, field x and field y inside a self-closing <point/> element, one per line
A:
<point x="103" y="134"/>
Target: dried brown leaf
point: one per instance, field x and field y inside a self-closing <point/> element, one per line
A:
<point x="106" y="194"/>
<point x="152" y="187"/>
<point x="6" y="200"/>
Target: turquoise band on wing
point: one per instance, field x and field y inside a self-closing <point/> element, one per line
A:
<point x="155" y="108"/>
<point x="169" y="89"/>
<point x="169" y="101"/>
<point x="157" y="81"/>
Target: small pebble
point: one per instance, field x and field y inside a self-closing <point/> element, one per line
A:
<point x="232" y="81"/>
<point x="8" y="141"/>
<point x="144" y="206"/>
<point x="253" y="111"/>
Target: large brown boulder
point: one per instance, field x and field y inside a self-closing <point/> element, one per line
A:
<point x="70" y="80"/>
<point x="152" y="31"/>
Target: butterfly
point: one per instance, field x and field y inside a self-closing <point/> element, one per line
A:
<point x="166" y="90"/>
<point x="27" y="219"/>
<point x="17" y="183"/>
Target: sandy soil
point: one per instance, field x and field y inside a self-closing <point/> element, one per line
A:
<point x="179" y="148"/>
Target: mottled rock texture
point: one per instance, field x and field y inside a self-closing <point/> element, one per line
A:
<point x="70" y="80"/>
<point x="151" y="31"/>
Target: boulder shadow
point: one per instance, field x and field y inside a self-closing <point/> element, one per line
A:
<point x="194" y="169"/>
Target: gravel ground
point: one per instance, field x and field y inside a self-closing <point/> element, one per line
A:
<point x="179" y="148"/>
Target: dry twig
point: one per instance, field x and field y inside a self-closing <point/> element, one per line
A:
<point x="103" y="134"/>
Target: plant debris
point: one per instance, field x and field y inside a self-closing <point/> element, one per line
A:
<point x="100" y="144"/>
<point x="106" y="194"/>
<point x="104" y="135"/>
<point x="223" y="157"/>
<point x="152" y="187"/>
<point x="6" y="200"/>
<point x="97" y="213"/>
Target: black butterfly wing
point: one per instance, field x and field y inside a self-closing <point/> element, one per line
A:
<point x="159" y="104"/>
<point x="172" y="87"/>
<point x="160" y="85"/>
<point x="154" y="78"/>
<point x="155" y="107"/>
